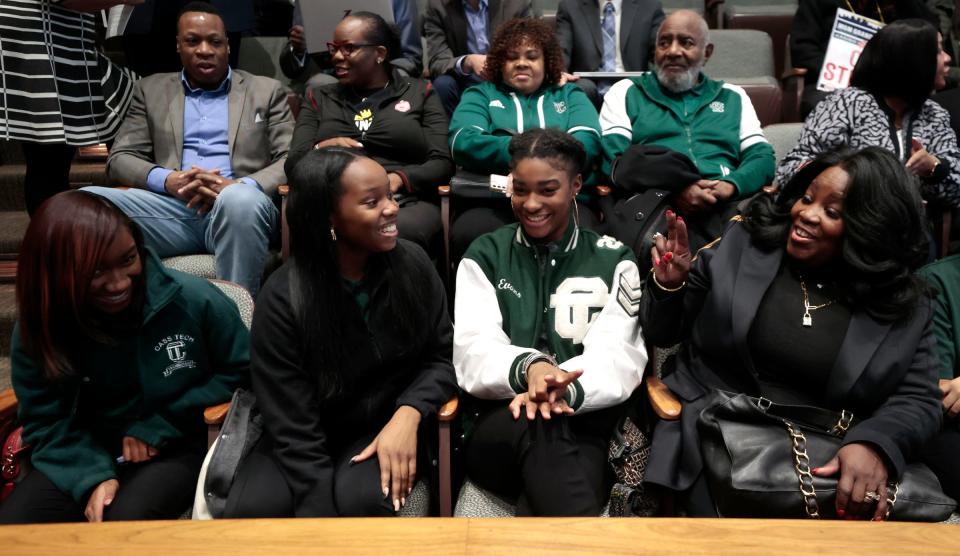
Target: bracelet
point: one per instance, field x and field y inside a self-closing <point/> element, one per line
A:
<point x="934" y="169"/>
<point x="664" y="288"/>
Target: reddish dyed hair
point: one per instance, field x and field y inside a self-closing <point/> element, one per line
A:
<point x="60" y="254"/>
<point x="516" y="32"/>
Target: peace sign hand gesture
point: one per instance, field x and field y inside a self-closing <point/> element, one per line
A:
<point x="671" y="254"/>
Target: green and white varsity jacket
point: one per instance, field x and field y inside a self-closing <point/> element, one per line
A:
<point x="489" y="115"/>
<point x="715" y="125"/>
<point x="576" y="300"/>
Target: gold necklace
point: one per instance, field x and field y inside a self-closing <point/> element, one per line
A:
<point x="807" y="318"/>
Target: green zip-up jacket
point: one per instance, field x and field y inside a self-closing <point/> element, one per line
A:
<point x="190" y="351"/>
<point x="489" y="115"/>
<point x="575" y="300"/>
<point x="945" y="276"/>
<point x="715" y="125"/>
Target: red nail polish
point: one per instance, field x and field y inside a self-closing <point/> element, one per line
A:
<point x="669" y="212"/>
<point x="841" y="513"/>
<point x="668" y="257"/>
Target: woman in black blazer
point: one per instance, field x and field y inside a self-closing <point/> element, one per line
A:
<point x="807" y="299"/>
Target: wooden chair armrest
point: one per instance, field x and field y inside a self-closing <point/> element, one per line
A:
<point x="449" y="411"/>
<point x="8" y="403"/>
<point x="793" y="72"/>
<point x="443" y="190"/>
<point x="603" y="190"/>
<point x="284" y="190"/>
<point x="215" y="414"/>
<point x="664" y="403"/>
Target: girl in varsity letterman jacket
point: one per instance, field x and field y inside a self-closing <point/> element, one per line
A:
<point x="546" y="341"/>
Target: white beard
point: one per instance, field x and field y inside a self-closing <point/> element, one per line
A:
<point x="679" y="83"/>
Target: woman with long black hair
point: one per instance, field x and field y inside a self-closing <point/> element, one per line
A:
<point x="351" y="352"/>
<point x="810" y="300"/>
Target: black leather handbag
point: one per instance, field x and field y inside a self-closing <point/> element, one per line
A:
<point x="758" y="455"/>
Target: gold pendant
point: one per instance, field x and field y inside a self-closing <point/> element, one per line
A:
<point x="807" y="320"/>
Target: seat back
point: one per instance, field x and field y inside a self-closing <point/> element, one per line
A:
<point x="240" y="296"/>
<point x="744" y="57"/>
<point x="774" y="17"/>
<point x="740" y="53"/>
<point x="670" y="6"/>
<point x="782" y="138"/>
<point x="261" y="56"/>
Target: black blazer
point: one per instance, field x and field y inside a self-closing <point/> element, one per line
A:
<point x="445" y="28"/>
<point x="581" y="38"/>
<point x="885" y="373"/>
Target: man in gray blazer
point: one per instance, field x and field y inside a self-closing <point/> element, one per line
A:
<point x="203" y="150"/>
<point x="458" y="35"/>
<point x="586" y="46"/>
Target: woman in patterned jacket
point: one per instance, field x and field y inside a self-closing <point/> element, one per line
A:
<point x="888" y="105"/>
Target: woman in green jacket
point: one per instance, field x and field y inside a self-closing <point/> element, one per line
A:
<point x="524" y="88"/>
<point x="114" y="358"/>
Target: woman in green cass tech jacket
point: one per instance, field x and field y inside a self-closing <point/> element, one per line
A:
<point x="522" y="91"/>
<point x="114" y="358"/>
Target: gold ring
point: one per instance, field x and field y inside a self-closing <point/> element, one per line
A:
<point x="871" y="496"/>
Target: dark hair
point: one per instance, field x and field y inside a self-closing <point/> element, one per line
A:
<point x="515" y="32"/>
<point x="62" y="248"/>
<point x="899" y="61"/>
<point x="199" y="6"/>
<point x="884" y="237"/>
<point x="315" y="192"/>
<point x="549" y="144"/>
<point x="380" y="33"/>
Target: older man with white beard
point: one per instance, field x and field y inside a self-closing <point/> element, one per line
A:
<point x="676" y="106"/>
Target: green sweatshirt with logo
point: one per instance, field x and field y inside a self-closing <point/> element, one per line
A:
<point x="489" y="115"/>
<point x="191" y="350"/>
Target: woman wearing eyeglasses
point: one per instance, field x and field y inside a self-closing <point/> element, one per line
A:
<point x="397" y="121"/>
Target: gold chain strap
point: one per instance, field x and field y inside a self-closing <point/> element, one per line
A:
<point x="802" y="466"/>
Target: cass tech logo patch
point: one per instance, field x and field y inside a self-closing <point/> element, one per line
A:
<point x="177" y="349"/>
<point x="363" y="120"/>
<point x="576" y="304"/>
<point x="717" y="106"/>
<point x="560" y="107"/>
<point x="495" y="103"/>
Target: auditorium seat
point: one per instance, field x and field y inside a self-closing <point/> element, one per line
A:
<point x="774" y="17"/>
<point x="744" y="57"/>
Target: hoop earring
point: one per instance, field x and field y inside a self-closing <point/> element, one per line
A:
<point x="576" y="213"/>
<point x="333" y="234"/>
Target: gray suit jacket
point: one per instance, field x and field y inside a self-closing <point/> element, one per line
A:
<point x="152" y="132"/>
<point x="445" y="27"/>
<point x="580" y="36"/>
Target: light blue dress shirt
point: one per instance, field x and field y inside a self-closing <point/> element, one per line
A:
<point x="205" y="134"/>
<point x="478" y="37"/>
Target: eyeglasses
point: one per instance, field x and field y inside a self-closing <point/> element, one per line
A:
<point x="348" y="48"/>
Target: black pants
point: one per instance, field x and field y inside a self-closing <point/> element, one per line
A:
<point x="942" y="456"/>
<point x="48" y="171"/>
<point x="260" y="490"/>
<point x="162" y="488"/>
<point x="556" y="468"/>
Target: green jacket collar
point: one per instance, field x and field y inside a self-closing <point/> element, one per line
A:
<point x="161" y="286"/>
<point x="569" y="241"/>
<point x="709" y="89"/>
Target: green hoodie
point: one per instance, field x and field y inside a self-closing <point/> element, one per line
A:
<point x="489" y="115"/>
<point x="190" y="351"/>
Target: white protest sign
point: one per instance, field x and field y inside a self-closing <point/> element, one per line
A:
<point x="850" y="33"/>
